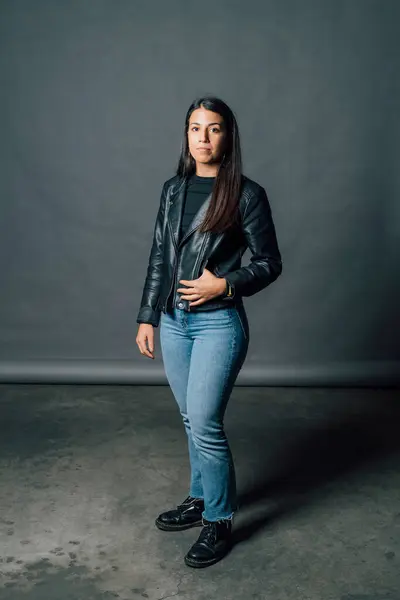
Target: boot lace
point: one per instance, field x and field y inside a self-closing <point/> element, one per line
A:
<point x="208" y="534"/>
<point x="188" y="501"/>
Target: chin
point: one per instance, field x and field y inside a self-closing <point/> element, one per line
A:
<point x="205" y="159"/>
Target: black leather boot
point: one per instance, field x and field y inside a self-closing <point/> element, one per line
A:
<point x="186" y="515"/>
<point x="215" y="541"/>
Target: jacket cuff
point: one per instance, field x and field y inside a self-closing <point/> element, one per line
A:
<point x="148" y="315"/>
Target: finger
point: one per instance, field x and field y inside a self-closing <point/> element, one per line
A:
<point x="144" y="350"/>
<point x="189" y="293"/>
<point x="191" y="296"/>
<point x="149" y="342"/>
<point x="200" y="301"/>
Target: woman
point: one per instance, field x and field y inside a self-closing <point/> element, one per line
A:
<point x="209" y="214"/>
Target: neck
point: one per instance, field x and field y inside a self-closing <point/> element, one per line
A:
<point x="204" y="170"/>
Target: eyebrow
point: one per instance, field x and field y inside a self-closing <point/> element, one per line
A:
<point x="216" y="123"/>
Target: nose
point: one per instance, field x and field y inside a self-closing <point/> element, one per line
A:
<point x="203" y="137"/>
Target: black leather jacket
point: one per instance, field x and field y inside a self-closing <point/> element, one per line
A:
<point x="171" y="260"/>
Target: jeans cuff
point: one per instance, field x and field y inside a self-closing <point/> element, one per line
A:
<point x="229" y="518"/>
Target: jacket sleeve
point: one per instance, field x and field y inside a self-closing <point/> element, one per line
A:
<point x="265" y="263"/>
<point x="148" y="312"/>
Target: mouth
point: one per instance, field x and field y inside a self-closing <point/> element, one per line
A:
<point x="204" y="149"/>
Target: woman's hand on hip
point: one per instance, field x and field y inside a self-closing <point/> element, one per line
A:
<point x="204" y="288"/>
<point x="145" y="339"/>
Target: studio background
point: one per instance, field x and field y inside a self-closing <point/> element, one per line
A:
<point x="92" y="108"/>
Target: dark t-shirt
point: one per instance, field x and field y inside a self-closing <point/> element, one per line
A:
<point x="198" y="189"/>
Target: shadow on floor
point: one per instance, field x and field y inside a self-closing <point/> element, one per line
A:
<point x="322" y="456"/>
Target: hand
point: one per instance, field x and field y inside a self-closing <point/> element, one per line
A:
<point x="145" y="335"/>
<point x="204" y="288"/>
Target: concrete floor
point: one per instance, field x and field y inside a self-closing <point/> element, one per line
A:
<point x="85" y="469"/>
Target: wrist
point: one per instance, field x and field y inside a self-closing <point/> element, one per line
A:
<point x="224" y="286"/>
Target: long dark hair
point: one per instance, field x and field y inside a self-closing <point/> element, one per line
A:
<point x="223" y="210"/>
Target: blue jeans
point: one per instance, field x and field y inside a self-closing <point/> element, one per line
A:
<point x="203" y="353"/>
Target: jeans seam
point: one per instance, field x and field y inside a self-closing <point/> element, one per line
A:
<point x="241" y="322"/>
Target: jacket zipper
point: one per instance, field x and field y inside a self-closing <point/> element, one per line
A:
<point x="194" y="275"/>
<point x="175" y="263"/>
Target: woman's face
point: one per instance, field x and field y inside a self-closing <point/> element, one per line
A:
<point x="206" y="136"/>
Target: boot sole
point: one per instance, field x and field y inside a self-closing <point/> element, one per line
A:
<point x="166" y="527"/>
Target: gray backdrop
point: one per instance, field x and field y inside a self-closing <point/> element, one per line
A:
<point x="93" y="99"/>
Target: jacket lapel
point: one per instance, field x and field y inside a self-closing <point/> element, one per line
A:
<point x="175" y="213"/>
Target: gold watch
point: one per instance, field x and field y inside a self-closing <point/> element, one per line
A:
<point x="228" y="292"/>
